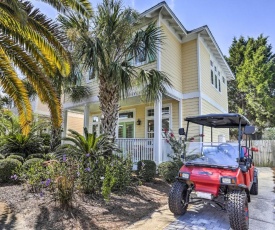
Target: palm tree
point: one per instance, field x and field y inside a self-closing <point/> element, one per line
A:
<point x="32" y="44"/>
<point x="109" y="45"/>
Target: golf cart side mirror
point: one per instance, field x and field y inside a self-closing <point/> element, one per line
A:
<point x="248" y="130"/>
<point x="254" y="149"/>
<point x="181" y="131"/>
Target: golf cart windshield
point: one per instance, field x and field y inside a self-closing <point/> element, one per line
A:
<point x="209" y="154"/>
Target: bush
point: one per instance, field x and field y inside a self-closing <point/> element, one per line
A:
<point x="2" y="156"/>
<point x="7" y="167"/>
<point x="35" y="155"/>
<point x="146" y="170"/>
<point x="17" y="154"/>
<point x="28" y="163"/>
<point x="168" y="170"/>
<point x="21" y="159"/>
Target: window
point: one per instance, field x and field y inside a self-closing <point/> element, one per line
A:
<point x="96" y="125"/>
<point x="166" y="120"/>
<point x="126" y="124"/>
<point x="212" y="77"/>
<point x="143" y="59"/>
<point x="223" y="80"/>
<point x="215" y="76"/>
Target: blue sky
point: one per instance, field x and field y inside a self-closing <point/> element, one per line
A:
<point x="225" y="18"/>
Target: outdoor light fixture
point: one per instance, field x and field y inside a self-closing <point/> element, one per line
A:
<point x="138" y="122"/>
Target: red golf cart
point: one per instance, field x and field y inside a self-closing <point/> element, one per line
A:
<point x="221" y="173"/>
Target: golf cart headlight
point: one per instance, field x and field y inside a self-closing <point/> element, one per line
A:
<point x="184" y="175"/>
<point x="228" y="180"/>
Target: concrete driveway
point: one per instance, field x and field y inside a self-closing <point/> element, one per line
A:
<point x="201" y="217"/>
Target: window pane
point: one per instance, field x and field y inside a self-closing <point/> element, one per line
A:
<point x="216" y="81"/>
<point x="150" y="112"/>
<point x="212" y="78"/>
<point x="126" y="115"/>
<point x="129" y="130"/>
<point x="95" y="119"/>
<point x="165" y="110"/>
<point x="120" y="131"/>
<point x="223" y="79"/>
<point x="165" y="124"/>
<point x="219" y="85"/>
<point x="150" y="128"/>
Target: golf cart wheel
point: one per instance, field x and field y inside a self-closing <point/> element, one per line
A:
<point x="237" y="208"/>
<point x="254" y="188"/>
<point x="177" y="198"/>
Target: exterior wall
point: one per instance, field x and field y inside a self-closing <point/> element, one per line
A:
<point x="206" y="109"/>
<point x="171" y="58"/>
<point x="189" y="67"/>
<point x="190" y="107"/>
<point x="75" y="122"/>
<point x="40" y="108"/>
<point x="206" y="86"/>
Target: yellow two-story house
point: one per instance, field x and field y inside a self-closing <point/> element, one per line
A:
<point x="199" y="75"/>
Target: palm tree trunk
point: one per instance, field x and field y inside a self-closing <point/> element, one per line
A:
<point x="109" y="106"/>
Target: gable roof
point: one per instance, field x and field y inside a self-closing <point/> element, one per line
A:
<point x="183" y="34"/>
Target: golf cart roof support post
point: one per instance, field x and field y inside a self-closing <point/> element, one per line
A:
<point x="186" y="131"/>
<point x="211" y="134"/>
<point x="202" y="130"/>
<point x="239" y="137"/>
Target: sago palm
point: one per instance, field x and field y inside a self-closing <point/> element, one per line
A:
<point x="33" y="45"/>
<point x="108" y="45"/>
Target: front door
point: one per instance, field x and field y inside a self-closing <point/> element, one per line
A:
<point x="126" y="130"/>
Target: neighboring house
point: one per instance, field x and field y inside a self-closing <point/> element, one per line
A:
<point x="199" y="74"/>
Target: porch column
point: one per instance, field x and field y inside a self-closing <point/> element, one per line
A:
<point x="86" y="116"/>
<point x="180" y="113"/>
<point x="158" y="131"/>
<point x="64" y="123"/>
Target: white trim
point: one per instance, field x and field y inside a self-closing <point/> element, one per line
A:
<point x="214" y="103"/>
<point x="171" y="92"/>
<point x="70" y="105"/>
<point x="190" y="95"/>
<point x="172" y="31"/>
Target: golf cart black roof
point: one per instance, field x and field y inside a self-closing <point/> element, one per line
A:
<point x="224" y="120"/>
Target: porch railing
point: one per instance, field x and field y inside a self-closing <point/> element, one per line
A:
<point x="139" y="148"/>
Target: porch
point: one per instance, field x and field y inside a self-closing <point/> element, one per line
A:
<point x="143" y="149"/>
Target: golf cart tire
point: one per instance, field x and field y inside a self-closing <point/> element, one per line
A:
<point x="254" y="188"/>
<point x="177" y="198"/>
<point x="237" y="208"/>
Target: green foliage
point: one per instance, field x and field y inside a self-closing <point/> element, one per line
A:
<point x="118" y="176"/>
<point x="168" y="170"/>
<point x="21" y="159"/>
<point x="114" y="30"/>
<point x="7" y="167"/>
<point x="35" y="155"/>
<point x="28" y="163"/>
<point x="252" y="93"/>
<point x="17" y="154"/>
<point x="46" y="138"/>
<point x="21" y="143"/>
<point x="2" y="156"/>
<point x="146" y="170"/>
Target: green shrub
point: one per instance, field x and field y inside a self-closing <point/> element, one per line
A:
<point x="35" y="155"/>
<point x="146" y="170"/>
<point x="168" y="170"/>
<point x="28" y="163"/>
<point x="18" y="154"/>
<point x="7" y="167"/>
<point x="21" y="159"/>
<point x="2" y="156"/>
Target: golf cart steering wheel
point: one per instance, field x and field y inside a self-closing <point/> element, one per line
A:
<point x="226" y="148"/>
